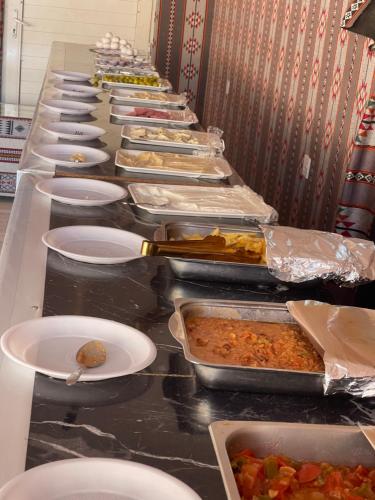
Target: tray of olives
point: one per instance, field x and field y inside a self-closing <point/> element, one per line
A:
<point x="145" y="82"/>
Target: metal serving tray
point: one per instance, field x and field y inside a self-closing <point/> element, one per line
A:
<point x="199" y="269"/>
<point x="236" y="377"/>
<point x="336" y="444"/>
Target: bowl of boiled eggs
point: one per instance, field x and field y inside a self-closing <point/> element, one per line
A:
<point x="112" y="44"/>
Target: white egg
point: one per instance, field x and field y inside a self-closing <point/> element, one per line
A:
<point x="139" y="59"/>
<point x="105" y="40"/>
<point x="128" y="45"/>
<point x="116" y="39"/>
<point x="115" y="46"/>
<point x="122" y="42"/>
<point x="108" y="35"/>
<point x="106" y="45"/>
<point x="129" y="52"/>
<point x="99" y="45"/>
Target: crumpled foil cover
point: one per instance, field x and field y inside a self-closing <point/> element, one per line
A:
<point x="345" y="338"/>
<point x="299" y="255"/>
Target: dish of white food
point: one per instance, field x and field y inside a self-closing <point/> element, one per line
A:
<point x="236" y="202"/>
<point x="68" y="155"/>
<point x="96" y="479"/>
<point x="81" y="192"/>
<point x="49" y="345"/>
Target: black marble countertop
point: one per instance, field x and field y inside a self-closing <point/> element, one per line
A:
<point x="159" y="416"/>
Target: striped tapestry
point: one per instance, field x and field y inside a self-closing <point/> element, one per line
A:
<point x="181" y="44"/>
<point x="284" y="80"/>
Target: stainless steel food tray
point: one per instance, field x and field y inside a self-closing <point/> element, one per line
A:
<point x="236" y="377"/>
<point x="199" y="269"/>
<point x="337" y="444"/>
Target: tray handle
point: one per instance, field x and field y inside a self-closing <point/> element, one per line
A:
<point x="174" y="325"/>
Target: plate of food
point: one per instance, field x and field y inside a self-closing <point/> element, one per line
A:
<point x="231" y="202"/>
<point x="269" y="352"/>
<point x="94" y="244"/>
<point x="147" y="97"/>
<point x="68" y="107"/>
<point x="173" y="117"/>
<point x="144" y="82"/>
<point x="163" y="136"/>
<point x="68" y="155"/>
<point x="50" y="345"/>
<point x="73" y="131"/>
<point x="96" y="478"/>
<point x="150" y="162"/>
<point x="81" y="192"/>
<point x="73" y="76"/>
<point x="293" y="460"/>
<point x="74" y="90"/>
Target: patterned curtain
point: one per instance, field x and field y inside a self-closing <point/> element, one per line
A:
<point x="181" y="44"/>
<point x="356" y="211"/>
<point x="285" y="81"/>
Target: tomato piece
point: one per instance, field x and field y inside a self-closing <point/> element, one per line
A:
<point x="333" y="481"/>
<point x="354" y="497"/>
<point x="308" y="472"/>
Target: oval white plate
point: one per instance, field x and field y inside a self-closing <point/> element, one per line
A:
<point x="68" y="107"/>
<point x="60" y="154"/>
<point x="73" y="131"/>
<point x="73" y="76"/>
<point x="49" y="345"/>
<point x="75" y="90"/>
<point x="96" y="479"/>
<point x="82" y="192"/>
<point x="94" y="244"/>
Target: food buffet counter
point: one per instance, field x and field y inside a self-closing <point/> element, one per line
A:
<point x="160" y="415"/>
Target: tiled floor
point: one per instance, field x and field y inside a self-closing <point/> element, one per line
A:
<point x="5" y="209"/>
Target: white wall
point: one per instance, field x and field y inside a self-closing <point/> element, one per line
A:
<point x="79" y="21"/>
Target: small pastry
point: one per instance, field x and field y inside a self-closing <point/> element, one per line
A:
<point x="78" y="158"/>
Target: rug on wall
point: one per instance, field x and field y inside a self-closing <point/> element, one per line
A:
<point x="180" y="48"/>
<point x="285" y="81"/>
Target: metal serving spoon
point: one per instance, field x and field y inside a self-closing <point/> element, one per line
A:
<point x="90" y="355"/>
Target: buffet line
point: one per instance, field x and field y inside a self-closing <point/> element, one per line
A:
<point x="216" y="232"/>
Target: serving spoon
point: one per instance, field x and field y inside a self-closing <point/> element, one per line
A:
<point x="90" y="355"/>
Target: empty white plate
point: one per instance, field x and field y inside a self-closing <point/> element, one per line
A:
<point x="73" y="76"/>
<point x="96" y="479"/>
<point x="75" y="90"/>
<point x="94" y="244"/>
<point x="64" y="155"/>
<point x="73" y="131"/>
<point x="82" y="192"/>
<point x="68" y="107"/>
<point x="49" y="345"/>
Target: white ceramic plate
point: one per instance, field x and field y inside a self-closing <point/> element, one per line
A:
<point x="49" y="345"/>
<point x="68" y="107"/>
<point x="82" y="192"/>
<point x="73" y="76"/>
<point x="73" y="131"/>
<point x="96" y="479"/>
<point x="94" y="244"/>
<point x="61" y="154"/>
<point x="215" y="168"/>
<point x="182" y="118"/>
<point x="75" y="90"/>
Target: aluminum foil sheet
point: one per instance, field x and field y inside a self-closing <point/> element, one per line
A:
<point x="299" y="255"/>
<point x="345" y="337"/>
